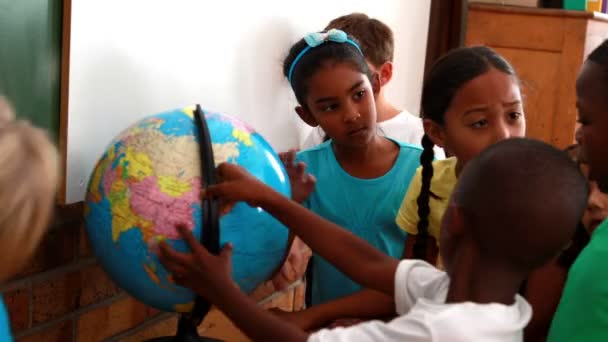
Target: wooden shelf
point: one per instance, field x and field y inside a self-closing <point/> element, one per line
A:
<point x="547" y="48"/>
<point x="535" y="11"/>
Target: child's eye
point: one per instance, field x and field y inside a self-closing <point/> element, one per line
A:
<point x="329" y="108"/>
<point x="479" y="124"/>
<point x="359" y="95"/>
<point x="515" y="115"/>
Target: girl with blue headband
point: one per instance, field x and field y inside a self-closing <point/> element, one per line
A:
<point x="361" y="176"/>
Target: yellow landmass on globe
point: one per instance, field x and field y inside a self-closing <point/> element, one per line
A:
<point x="189" y="111"/>
<point x="94" y="193"/>
<point x="151" y="270"/>
<point x="172" y="160"/>
<point x="139" y="165"/>
<point x="173" y="186"/>
<point x="225" y="152"/>
<point x="242" y="136"/>
<point x="123" y="218"/>
<point x="147" y="232"/>
<point x="173" y="157"/>
<point x="184" y="308"/>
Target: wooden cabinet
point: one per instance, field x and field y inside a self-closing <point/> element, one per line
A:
<point x="547" y="48"/>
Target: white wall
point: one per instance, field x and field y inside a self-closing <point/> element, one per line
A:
<point x="131" y="58"/>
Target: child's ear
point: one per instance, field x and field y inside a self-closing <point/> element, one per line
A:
<point x="386" y="73"/>
<point x="306" y="116"/>
<point x="434" y="131"/>
<point x="376" y="83"/>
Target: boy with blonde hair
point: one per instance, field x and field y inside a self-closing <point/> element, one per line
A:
<point x="28" y="180"/>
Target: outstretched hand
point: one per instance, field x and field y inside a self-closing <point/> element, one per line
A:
<point x="236" y="184"/>
<point x="302" y="183"/>
<point x="206" y="274"/>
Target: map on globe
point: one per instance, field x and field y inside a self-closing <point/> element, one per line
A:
<point x="148" y="181"/>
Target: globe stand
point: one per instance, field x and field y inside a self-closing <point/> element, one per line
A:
<point x="186" y="332"/>
<point x="210" y="237"/>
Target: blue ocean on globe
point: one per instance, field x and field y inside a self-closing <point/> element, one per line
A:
<point x="148" y="181"/>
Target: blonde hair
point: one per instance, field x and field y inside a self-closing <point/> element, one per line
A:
<point x="28" y="179"/>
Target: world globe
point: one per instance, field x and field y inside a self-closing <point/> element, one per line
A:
<point x="148" y="181"/>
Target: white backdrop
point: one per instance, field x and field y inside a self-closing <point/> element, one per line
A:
<point x="132" y="58"/>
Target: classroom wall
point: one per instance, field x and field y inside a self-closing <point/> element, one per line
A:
<point x="134" y="58"/>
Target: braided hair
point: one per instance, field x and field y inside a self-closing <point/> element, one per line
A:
<point x="445" y="78"/>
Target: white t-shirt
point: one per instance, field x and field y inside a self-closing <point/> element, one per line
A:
<point x="420" y="293"/>
<point x="403" y="127"/>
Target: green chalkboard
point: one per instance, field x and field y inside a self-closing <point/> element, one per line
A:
<point x="30" y="59"/>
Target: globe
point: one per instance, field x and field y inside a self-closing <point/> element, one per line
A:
<point x="148" y="181"/>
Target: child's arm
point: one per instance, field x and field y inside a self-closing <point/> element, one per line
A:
<point x="365" y="304"/>
<point x="302" y="185"/>
<point x="209" y="276"/>
<point x="353" y="256"/>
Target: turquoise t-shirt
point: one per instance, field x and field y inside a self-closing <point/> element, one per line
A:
<point x="366" y="207"/>
<point x="582" y="314"/>
<point x="5" y="328"/>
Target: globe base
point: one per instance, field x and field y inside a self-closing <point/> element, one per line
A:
<point x="186" y="327"/>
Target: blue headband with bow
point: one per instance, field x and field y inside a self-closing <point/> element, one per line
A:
<point x="317" y="38"/>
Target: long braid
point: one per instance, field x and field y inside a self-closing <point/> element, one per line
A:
<point x="447" y="75"/>
<point x="426" y="160"/>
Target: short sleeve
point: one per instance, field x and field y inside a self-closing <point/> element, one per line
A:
<point x="400" y="329"/>
<point x="407" y="216"/>
<point x="415" y="279"/>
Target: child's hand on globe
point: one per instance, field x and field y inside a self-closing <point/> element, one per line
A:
<point x="236" y="184"/>
<point x="204" y="273"/>
<point x="302" y="183"/>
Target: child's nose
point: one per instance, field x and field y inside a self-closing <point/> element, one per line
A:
<point x="351" y="113"/>
<point x="502" y="132"/>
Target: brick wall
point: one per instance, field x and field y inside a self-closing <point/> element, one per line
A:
<point x="63" y="295"/>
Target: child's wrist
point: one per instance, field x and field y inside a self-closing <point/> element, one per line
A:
<point x="269" y="197"/>
<point x="224" y="292"/>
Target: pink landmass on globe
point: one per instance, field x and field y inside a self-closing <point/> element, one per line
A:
<point x="165" y="211"/>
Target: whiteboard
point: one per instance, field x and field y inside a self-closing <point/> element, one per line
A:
<point x="132" y="58"/>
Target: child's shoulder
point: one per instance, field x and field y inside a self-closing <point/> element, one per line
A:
<point x="445" y="164"/>
<point x="444" y="172"/>
<point x="442" y="166"/>
<point x="322" y="148"/>
<point x="407" y="147"/>
<point x="409" y="156"/>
